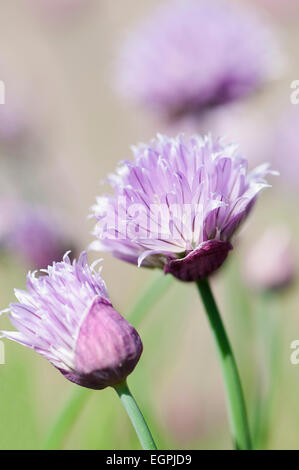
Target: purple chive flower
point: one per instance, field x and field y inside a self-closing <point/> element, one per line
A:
<point x="66" y="316"/>
<point x="191" y="55"/>
<point x="177" y="205"/>
<point x="31" y="233"/>
<point x="269" y="264"/>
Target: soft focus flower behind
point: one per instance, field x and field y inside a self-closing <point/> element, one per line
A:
<point x="177" y="205"/>
<point x="66" y="316"/>
<point x="284" y="147"/>
<point x="270" y="263"/>
<point x="196" y="54"/>
<point x="32" y="233"/>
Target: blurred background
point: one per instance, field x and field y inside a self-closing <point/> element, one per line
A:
<point x="63" y="128"/>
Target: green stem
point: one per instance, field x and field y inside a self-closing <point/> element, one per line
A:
<point x="68" y="415"/>
<point x="136" y="417"/>
<point x="66" y="419"/>
<point x="236" y="402"/>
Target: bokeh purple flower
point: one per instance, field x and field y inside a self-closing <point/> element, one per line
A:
<point x="59" y="9"/>
<point x="284" y="147"/>
<point x="192" y="55"/>
<point x="31" y="233"/>
<point x="269" y="264"/>
<point x="66" y="316"/>
<point x="177" y="205"/>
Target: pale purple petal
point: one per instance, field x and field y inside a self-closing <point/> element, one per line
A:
<point x="175" y="195"/>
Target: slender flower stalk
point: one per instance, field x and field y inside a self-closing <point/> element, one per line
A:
<point x="236" y="401"/>
<point x="136" y="417"/>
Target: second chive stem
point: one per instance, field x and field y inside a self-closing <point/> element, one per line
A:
<point x="236" y="401"/>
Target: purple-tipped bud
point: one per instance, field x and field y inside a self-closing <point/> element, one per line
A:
<point x="269" y="264"/>
<point x="66" y="317"/>
<point x="107" y="350"/>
